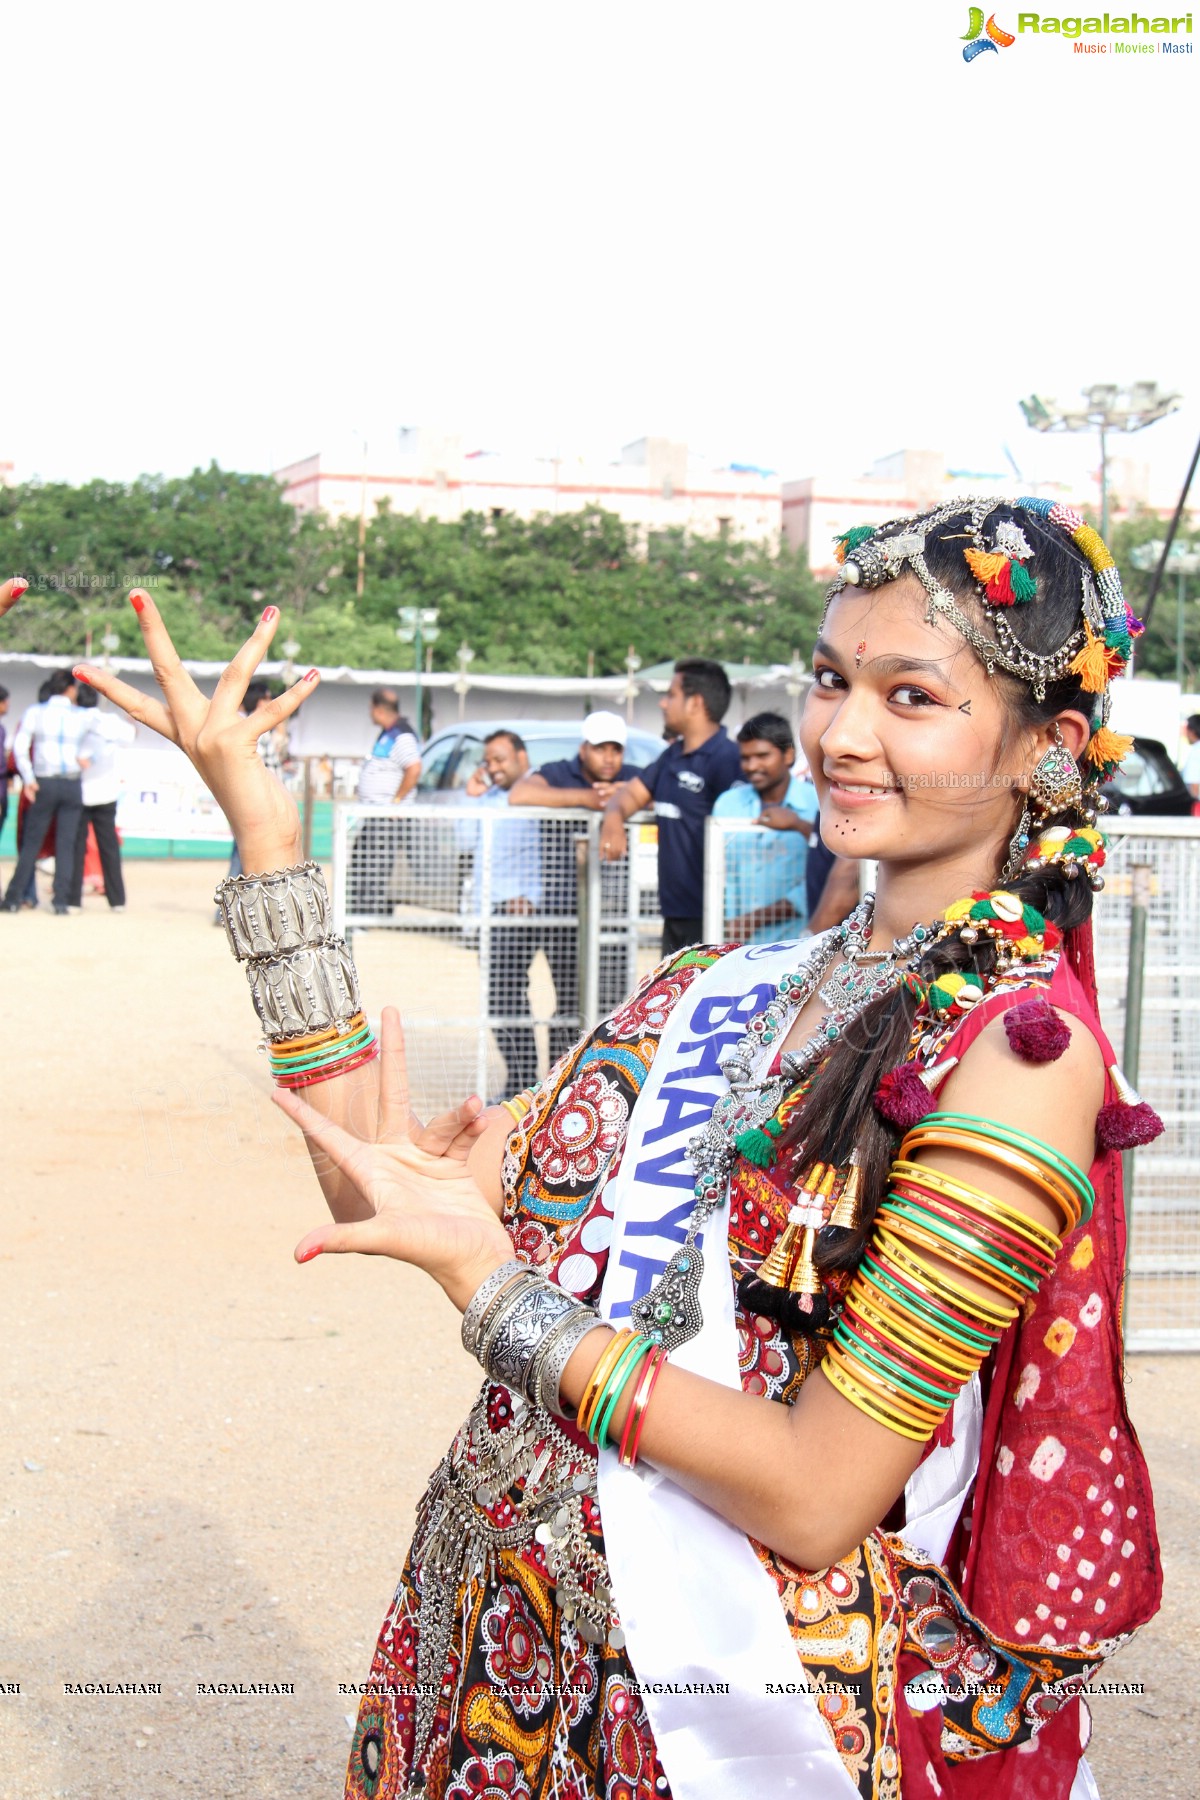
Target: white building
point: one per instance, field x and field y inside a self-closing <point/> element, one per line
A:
<point x="654" y="484"/>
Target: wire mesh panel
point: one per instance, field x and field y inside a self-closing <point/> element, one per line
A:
<point x="1162" y="1309"/>
<point x="753" y="883"/>
<point x="494" y="928"/>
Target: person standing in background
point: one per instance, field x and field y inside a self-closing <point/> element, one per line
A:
<point x="4" y="777"/>
<point x="1189" y="768"/>
<point x="514" y="894"/>
<point x="101" y="785"/>
<point x="50" y="759"/>
<point x="765" y="894"/>
<point x="682" y="785"/>
<point x="587" y="781"/>
<point x="388" y="775"/>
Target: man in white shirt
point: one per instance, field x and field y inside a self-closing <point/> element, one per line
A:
<point x="101" y="785"/>
<point x="51" y="759"/>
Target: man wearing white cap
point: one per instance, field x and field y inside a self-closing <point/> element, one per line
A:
<point x="585" y="780"/>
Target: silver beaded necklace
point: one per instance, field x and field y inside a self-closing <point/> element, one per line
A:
<point x="670" y="1312"/>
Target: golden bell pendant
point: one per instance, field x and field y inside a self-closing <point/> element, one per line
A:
<point x="778" y="1265"/>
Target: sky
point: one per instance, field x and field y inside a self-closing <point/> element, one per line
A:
<point x="801" y="235"/>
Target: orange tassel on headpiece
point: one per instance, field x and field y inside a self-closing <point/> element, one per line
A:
<point x="1107" y="747"/>
<point x="1096" y="663"/>
<point x="984" y="564"/>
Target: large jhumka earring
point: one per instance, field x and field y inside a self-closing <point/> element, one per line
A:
<point x="1056" y="783"/>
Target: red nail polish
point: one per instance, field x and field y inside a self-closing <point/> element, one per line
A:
<point x="269" y="612"/>
<point x="137" y="600"/>
<point x="19" y="586"/>
<point x="311" y="676"/>
<point x="82" y="675"/>
<point x="309" y="1254"/>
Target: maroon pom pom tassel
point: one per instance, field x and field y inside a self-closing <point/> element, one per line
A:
<point x="1035" y="1031"/>
<point x="1127" y="1121"/>
<point x="902" y="1097"/>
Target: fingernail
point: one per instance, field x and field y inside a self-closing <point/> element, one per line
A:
<point x="311" y="676"/>
<point x="19" y="586"/>
<point x="137" y="600"/>
<point x="269" y="612"/>
<point x="82" y="675"/>
<point x="309" y="1254"/>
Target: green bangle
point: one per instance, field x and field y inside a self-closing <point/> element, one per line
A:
<point x="926" y="1310"/>
<point x="319" y="1058"/>
<point x="614" y="1387"/>
<point x="904" y="1208"/>
<point x="917" y="1389"/>
<point x="1021" y="1140"/>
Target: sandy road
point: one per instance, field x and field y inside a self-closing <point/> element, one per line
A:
<point x="211" y="1456"/>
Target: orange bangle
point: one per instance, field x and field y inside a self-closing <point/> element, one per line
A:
<point x="991" y="1314"/>
<point x="609" y="1358"/>
<point x="1008" y="1158"/>
<point x="302" y="1046"/>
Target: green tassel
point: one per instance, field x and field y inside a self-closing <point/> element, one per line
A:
<point x="758" y="1145"/>
<point x="857" y="534"/>
<point x="1024" y="587"/>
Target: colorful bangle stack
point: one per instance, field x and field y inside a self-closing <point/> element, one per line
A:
<point x="302" y="979"/>
<point x="629" y="1359"/>
<point x="298" y="1062"/>
<point x="910" y="1335"/>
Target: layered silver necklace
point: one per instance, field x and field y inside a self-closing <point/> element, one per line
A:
<point x="670" y="1312"/>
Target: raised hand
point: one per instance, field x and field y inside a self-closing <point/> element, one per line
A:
<point x="11" y="591"/>
<point x="219" y="742"/>
<point x="425" y="1207"/>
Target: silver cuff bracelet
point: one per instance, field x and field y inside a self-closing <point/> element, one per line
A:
<point x="272" y="915"/>
<point x="487" y="1291"/>
<point x="304" y="990"/>
<point x="559" y="1346"/>
<point x="522" y="1333"/>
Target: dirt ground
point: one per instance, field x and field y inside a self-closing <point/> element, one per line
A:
<point x="211" y="1456"/>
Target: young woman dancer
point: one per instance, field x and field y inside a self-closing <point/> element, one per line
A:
<point x="801" y="1463"/>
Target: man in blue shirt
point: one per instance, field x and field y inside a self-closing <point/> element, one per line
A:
<point x="683" y="785"/>
<point x="586" y="781"/>
<point x="765" y="895"/>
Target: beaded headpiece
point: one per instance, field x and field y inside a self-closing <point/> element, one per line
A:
<point x="1001" y="562"/>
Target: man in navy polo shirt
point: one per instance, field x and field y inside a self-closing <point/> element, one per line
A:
<point x="682" y="785"/>
<point x="586" y="781"/>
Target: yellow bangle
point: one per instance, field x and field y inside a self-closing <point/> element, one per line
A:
<point x="957" y="1364"/>
<point x="518" y="1106"/>
<point x="990" y="1313"/>
<point x="955" y="1189"/>
<point x="849" y="1390"/>
<point x="292" y="1047"/>
<point x="903" y="1405"/>
<point x="921" y="1238"/>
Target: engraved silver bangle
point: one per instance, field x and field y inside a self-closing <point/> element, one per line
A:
<point x="505" y="1303"/>
<point x="487" y="1291"/>
<point x="515" y="1346"/>
<point x="307" y="990"/>
<point x="561" y="1345"/>
<point x="274" y="914"/>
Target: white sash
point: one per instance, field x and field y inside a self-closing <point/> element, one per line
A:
<point x="698" y="1608"/>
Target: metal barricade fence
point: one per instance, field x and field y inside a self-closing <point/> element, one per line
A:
<point x="496" y="929"/>
<point x="1162" y="1312"/>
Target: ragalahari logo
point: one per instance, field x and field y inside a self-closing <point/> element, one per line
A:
<point x="974" y="40"/>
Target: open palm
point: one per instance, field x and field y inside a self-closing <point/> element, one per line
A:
<point x="425" y="1208"/>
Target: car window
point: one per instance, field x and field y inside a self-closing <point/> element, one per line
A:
<point x="1139" y="778"/>
<point x="470" y="756"/>
<point x="434" y="764"/>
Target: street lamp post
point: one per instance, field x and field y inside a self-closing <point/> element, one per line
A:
<point x="462" y="687"/>
<point x="633" y="663"/>
<point x="110" y="643"/>
<point x="419" y="627"/>
<point x="1183" y="562"/>
<point x="1106" y="408"/>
